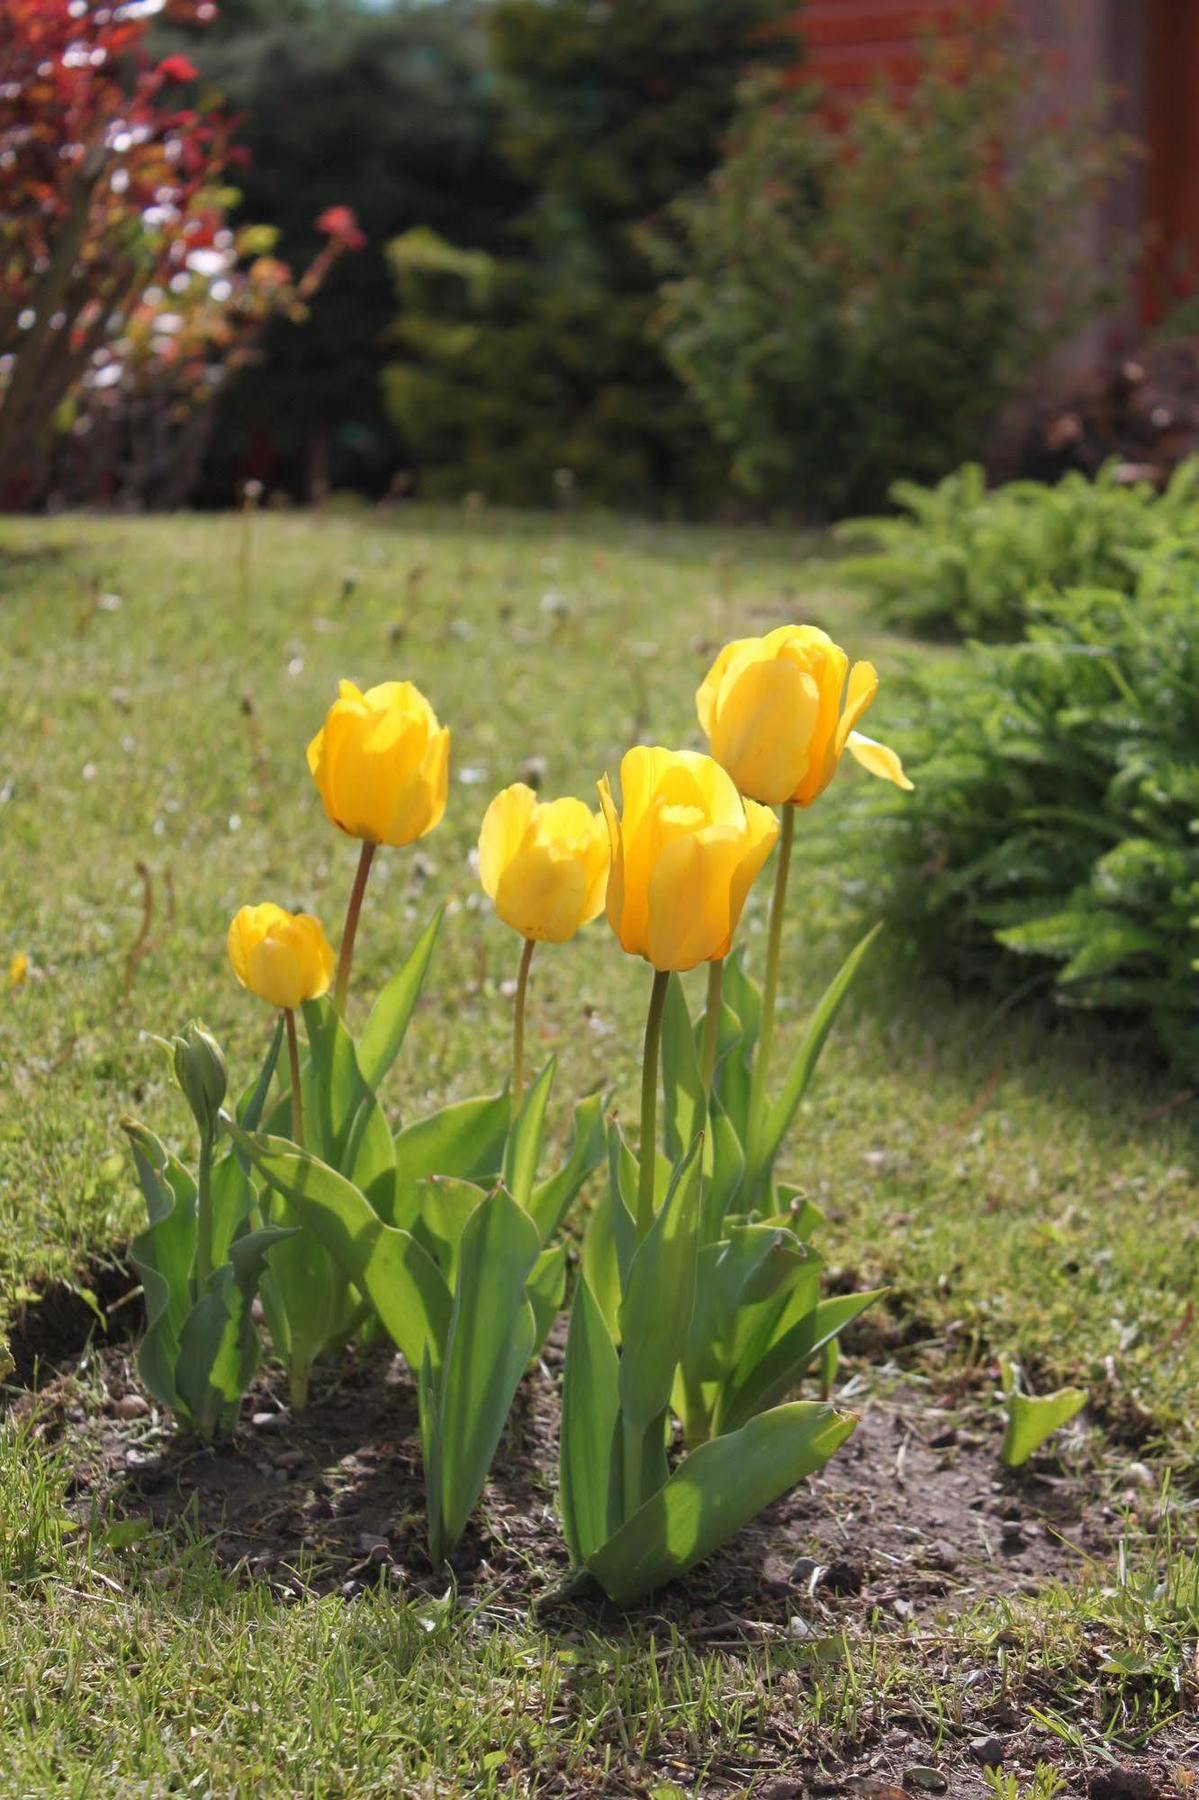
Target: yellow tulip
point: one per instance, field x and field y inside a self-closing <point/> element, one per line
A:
<point x="772" y="709"/>
<point x="686" y="849"/>
<point x="282" y="957"/>
<point x="381" y="763"/>
<point x="543" y="863"/>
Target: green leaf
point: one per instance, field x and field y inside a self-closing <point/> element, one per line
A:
<point x="804" y="1065"/>
<point x="249" y="1107"/>
<point x="465" y="1140"/>
<point x="734" y="1280"/>
<point x="547" y="1286"/>
<point x="1032" y="1418"/>
<point x="714" y="1492"/>
<point x="610" y="1238"/>
<point x="588" y="1472"/>
<point x="684" y="1096"/>
<point x="397" y="1276"/>
<point x="723" y="1181"/>
<point x="383" y="1034"/>
<point x="445" y="1205"/>
<point x="522" y="1152"/>
<point x="659" y="1298"/>
<point x="218" y="1345"/>
<point x="552" y="1199"/>
<point x="232" y="1199"/>
<point x="347" y="1127"/>
<point x="488" y="1347"/>
<point x="763" y="1379"/>
<point x="163" y="1255"/>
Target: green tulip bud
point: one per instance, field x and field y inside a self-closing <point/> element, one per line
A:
<point x="200" y="1072"/>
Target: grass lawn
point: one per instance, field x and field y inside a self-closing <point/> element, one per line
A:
<point x="1020" y="1190"/>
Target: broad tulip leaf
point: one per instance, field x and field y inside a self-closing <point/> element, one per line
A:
<point x="163" y="1255"/>
<point x="684" y="1096"/>
<point x="735" y="1067"/>
<point x="232" y="1199"/>
<point x="490" y="1341"/>
<point x="734" y="1281"/>
<point x="1033" y="1418"/>
<point x="547" y="1286"/>
<point x="659" y="1297"/>
<point x="588" y="1451"/>
<point x="218" y="1346"/>
<point x="607" y="1249"/>
<point x="522" y="1152"/>
<point x="397" y="1276"/>
<point x="445" y="1206"/>
<point x="348" y="1127"/>
<point x="761" y="1384"/>
<point x="714" y="1492"/>
<point x="384" y="1032"/>
<point x="465" y="1140"/>
<point x="792" y="1208"/>
<point x="803" y="1066"/>
<point x="552" y="1199"/>
<point x="252" y="1102"/>
<point x="723" y="1181"/>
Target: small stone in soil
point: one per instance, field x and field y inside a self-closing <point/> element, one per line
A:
<point x="270" y="1421"/>
<point x="289" y="1459"/>
<point x="350" y="1590"/>
<point x="131" y="1406"/>
<point x="989" y="1751"/>
<point x="927" y="1779"/>
<point x="1121" y="1784"/>
<point x="371" y="1540"/>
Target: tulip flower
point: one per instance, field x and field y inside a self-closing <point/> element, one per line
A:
<point x="381" y="765"/>
<point x="686" y="849"/>
<point x="779" y="715"/>
<point x="780" y="711"/>
<point x="544" y="864"/>
<point x="284" y="958"/>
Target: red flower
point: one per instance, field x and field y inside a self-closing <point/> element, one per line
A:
<point x="178" y="68"/>
<point x="339" y="222"/>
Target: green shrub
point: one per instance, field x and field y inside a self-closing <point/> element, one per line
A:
<point x="1056" y="811"/>
<point x="852" y="306"/>
<point x="962" y="561"/>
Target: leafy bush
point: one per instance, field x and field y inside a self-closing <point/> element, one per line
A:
<point x="1057" y="793"/>
<point x="854" y="305"/>
<point x="967" y="562"/>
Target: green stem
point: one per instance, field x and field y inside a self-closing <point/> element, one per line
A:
<point x="204" y="1215"/>
<point x="297" y="1098"/>
<point x="350" y="929"/>
<point x="707" y="1059"/>
<point x="649" y="1102"/>
<point x="774" y="945"/>
<point x="518" y="1024"/>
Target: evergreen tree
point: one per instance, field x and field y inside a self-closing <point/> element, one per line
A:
<point x="541" y="367"/>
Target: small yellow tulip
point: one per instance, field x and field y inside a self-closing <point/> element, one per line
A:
<point x="543" y="863"/>
<point x="381" y="763"/>
<point x="18" y="969"/>
<point x="685" y="852"/>
<point x="772" y="709"/>
<point x="282" y="957"/>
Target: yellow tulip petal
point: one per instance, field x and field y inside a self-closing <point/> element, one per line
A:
<point x="764" y="729"/>
<point x="615" y="897"/>
<point x="878" y="759"/>
<point x="688" y="900"/>
<point x="761" y="834"/>
<point x="541" y="893"/>
<point x="863" y="686"/>
<point x="504" y="825"/>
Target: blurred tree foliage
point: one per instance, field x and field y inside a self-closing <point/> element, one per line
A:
<point x="529" y="371"/>
<point x="389" y="111"/>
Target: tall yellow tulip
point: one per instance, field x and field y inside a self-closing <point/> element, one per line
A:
<point x="381" y="763"/>
<point x="781" y="710"/>
<point x="544" y="865"/>
<point x="686" y="849"/>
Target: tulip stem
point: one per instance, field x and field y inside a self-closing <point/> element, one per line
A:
<point x="649" y="1102"/>
<point x="774" y="945"/>
<point x="518" y="1024"/>
<point x="204" y="1215"/>
<point x="350" y="929"/>
<point x="297" y="1098"/>
<point x="707" y="1059"/>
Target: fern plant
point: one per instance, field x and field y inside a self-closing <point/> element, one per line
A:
<point x="1056" y="811"/>
<point x="959" y="560"/>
